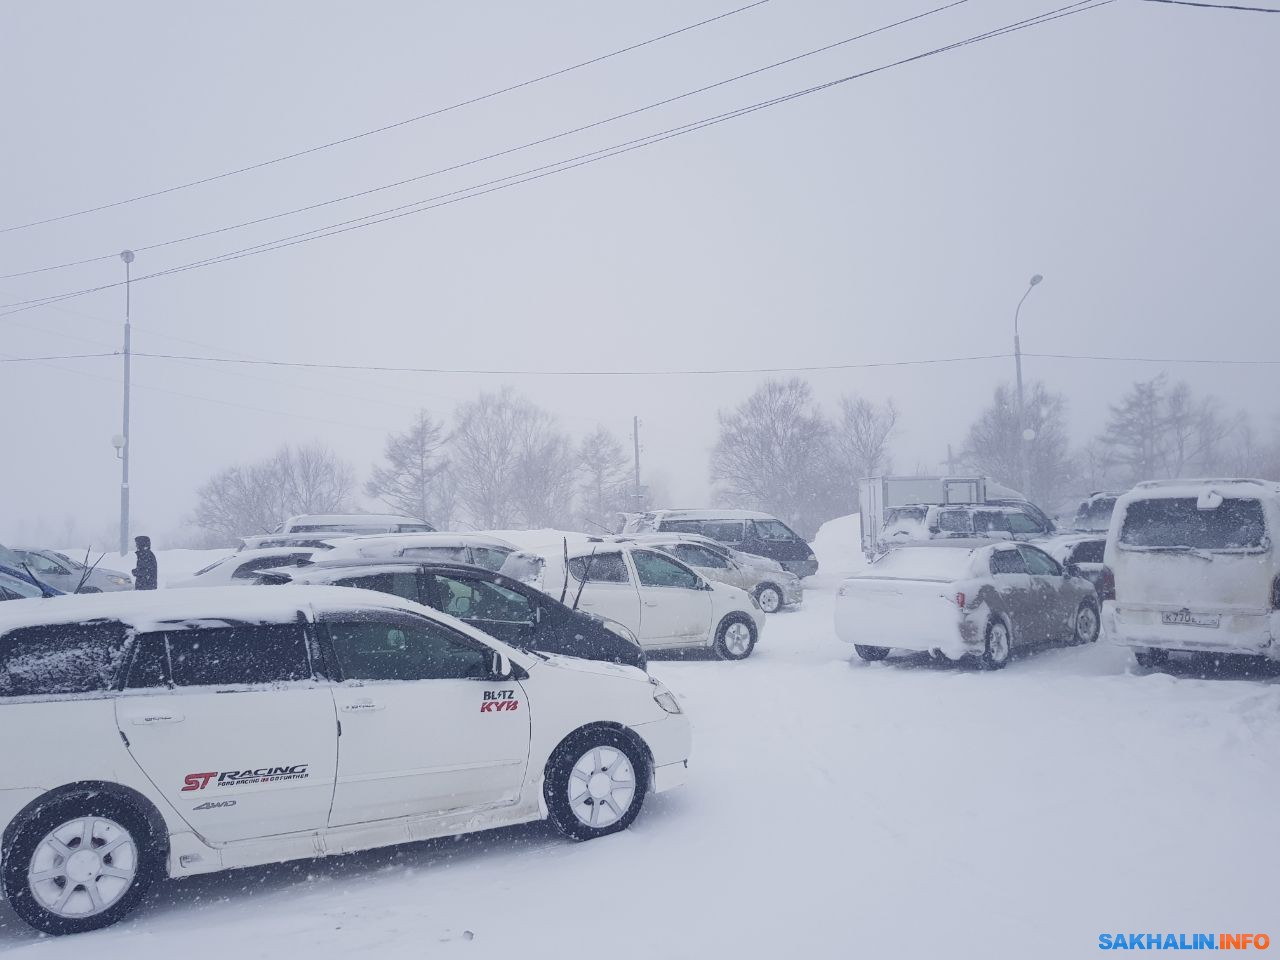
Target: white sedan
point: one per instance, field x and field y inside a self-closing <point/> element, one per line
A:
<point x="202" y="730"/>
<point x="242" y="567"/>
<point x="655" y="596"/>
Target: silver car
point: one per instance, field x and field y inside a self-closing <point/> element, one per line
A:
<point x="72" y="576"/>
<point x="765" y="579"/>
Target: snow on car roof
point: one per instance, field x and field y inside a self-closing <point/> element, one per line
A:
<point x="1192" y="489"/>
<point x="393" y="544"/>
<point x="350" y="518"/>
<point x="710" y="514"/>
<point x="156" y="609"/>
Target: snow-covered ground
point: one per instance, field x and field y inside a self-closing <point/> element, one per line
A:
<point x="834" y="809"/>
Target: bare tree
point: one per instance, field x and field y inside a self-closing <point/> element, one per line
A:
<point x="415" y="473"/>
<point x="1134" y="435"/>
<point x="863" y="436"/>
<point x="993" y="445"/>
<point x="774" y="454"/>
<point x="603" y="466"/>
<point x="256" y="497"/>
<point x="511" y="463"/>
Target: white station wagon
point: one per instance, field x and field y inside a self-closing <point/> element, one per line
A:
<point x="191" y="731"/>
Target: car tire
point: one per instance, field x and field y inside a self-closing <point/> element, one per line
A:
<point x="1088" y="623"/>
<point x="735" y="637"/>
<point x="1151" y="658"/>
<point x="769" y="597"/>
<point x="998" y="648"/>
<point x="870" y="654"/>
<point x="43" y="859"/>
<point x="595" y="783"/>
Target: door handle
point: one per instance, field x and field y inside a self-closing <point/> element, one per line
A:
<point x="362" y="706"/>
<point x="651" y="603"/>
<point x="148" y="719"/>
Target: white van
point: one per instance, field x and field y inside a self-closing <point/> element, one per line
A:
<point x="1195" y="569"/>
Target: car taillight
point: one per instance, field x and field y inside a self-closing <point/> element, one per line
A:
<point x="960" y="599"/>
<point x="1275" y="594"/>
<point x="1106" y="584"/>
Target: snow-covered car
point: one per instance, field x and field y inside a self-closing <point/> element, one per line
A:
<point x="17" y="588"/>
<point x="477" y="549"/>
<point x="983" y="520"/>
<point x="747" y="530"/>
<point x="965" y="599"/>
<point x="1093" y="515"/>
<point x="771" y="585"/>
<point x="243" y="566"/>
<point x="203" y="730"/>
<point x="72" y="576"/>
<point x="355" y="523"/>
<point x="1195" y="569"/>
<point x="655" y="596"/>
<point x="316" y="541"/>
<point x="514" y="612"/>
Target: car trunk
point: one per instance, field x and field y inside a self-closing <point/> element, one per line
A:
<point x="888" y="612"/>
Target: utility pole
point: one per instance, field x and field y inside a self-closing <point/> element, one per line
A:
<point x="127" y="257"/>
<point x="1023" y="467"/>
<point x="635" y="439"/>
<point x="951" y="462"/>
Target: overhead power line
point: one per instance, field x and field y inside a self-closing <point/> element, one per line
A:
<point x="390" y="126"/>
<point x="582" y="128"/>
<point x="538" y="173"/>
<point x="1218" y="6"/>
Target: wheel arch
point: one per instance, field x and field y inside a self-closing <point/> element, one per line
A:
<point x="621" y="728"/>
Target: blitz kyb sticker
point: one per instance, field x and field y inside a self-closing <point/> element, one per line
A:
<point x="495" y="700"/>
<point x="240" y="778"/>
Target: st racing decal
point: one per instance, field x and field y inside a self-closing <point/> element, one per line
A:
<point x="238" y="778"/>
<point x="495" y="700"/>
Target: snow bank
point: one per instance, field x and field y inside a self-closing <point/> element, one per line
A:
<point x="838" y="546"/>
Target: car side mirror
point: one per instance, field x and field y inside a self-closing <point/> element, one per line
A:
<point x="1071" y="570"/>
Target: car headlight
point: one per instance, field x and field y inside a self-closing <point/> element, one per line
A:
<point x="613" y="626"/>
<point x="120" y="581"/>
<point x="664" y="698"/>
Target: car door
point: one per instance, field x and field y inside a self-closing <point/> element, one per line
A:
<point x="425" y="727"/>
<point x="1047" y="585"/>
<point x="497" y="610"/>
<point x="232" y="727"/>
<point x="675" y="602"/>
<point x="608" y="588"/>
<point x="1014" y="595"/>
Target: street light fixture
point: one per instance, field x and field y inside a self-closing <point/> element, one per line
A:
<point x="1025" y="433"/>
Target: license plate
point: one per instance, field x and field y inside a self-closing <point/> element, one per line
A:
<point x="1185" y="618"/>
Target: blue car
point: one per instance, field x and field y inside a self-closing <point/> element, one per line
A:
<point x="18" y="588"/>
<point x="11" y="566"/>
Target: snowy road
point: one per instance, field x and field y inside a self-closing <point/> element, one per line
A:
<point x="834" y="809"/>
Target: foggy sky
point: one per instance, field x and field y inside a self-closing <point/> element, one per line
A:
<point x="1128" y="154"/>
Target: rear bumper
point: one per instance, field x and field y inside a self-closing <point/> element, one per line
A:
<point x="1248" y="632"/>
<point x="922" y="623"/>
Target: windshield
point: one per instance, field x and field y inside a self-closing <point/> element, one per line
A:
<point x="1177" y="523"/>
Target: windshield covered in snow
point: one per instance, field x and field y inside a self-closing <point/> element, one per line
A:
<point x="924" y="563"/>
<point x="1178" y="523"/>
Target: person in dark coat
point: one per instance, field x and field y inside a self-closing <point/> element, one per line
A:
<point x="146" y="572"/>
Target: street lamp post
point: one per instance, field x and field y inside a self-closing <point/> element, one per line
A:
<point x="123" y="448"/>
<point x="1023" y="467"/>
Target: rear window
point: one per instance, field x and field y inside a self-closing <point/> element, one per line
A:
<point x="1170" y="523"/>
<point x="1095" y="514"/>
<point x="1090" y="551"/>
<point x="60" y="659"/>
<point x="924" y="563"/>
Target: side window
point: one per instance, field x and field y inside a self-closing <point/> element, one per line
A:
<point x="41" y="564"/>
<point x="680" y="526"/>
<point x="378" y="647"/>
<point x="402" y="583"/>
<point x="1007" y="561"/>
<point x="439" y="554"/>
<point x="774" y="530"/>
<point x="62" y="658"/>
<point x="1040" y="563"/>
<point x="490" y="558"/>
<point x="227" y="656"/>
<point x="1024" y="523"/>
<point x="1090" y="551"/>
<point x="599" y="568"/>
<point x="150" y="665"/>
<point x="697" y="556"/>
<point x="655" y="570"/>
<point x="470" y="599"/>
<point x="953" y="521"/>
<point x="726" y="531"/>
<point x="249" y="569"/>
<point x="985" y="521"/>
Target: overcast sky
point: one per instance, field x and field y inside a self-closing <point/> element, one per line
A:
<point x="1128" y="154"/>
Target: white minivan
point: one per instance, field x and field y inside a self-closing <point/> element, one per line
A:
<point x="1195" y="569"/>
<point x="191" y="731"/>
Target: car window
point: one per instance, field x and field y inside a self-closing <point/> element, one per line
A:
<point x="1007" y="561"/>
<point x="439" y="554"/>
<point x="491" y="558"/>
<point x="399" y="583"/>
<point x="61" y="658"/>
<point x="698" y="556"/>
<point x="953" y="521"/>
<point x="226" y="656"/>
<point x="1234" y="524"/>
<point x="378" y="647"/>
<point x="680" y="526"/>
<point x="150" y="665"/>
<point x="774" y="530"/>
<point x="991" y="521"/>
<point x="726" y="531"/>
<point x="600" y="568"/>
<point x="43" y="565"/>
<point x="1040" y="563"/>
<point x="468" y="598"/>
<point x="1021" y="523"/>
<point x="1091" y="551"/>
<point x="655" y="570"/>
<point x="249" y="569"/>
<point x="18" y="589"/>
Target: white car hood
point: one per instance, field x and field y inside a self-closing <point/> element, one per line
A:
<point x="598" y="668"/>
